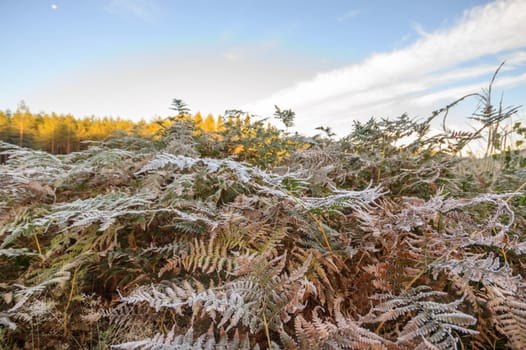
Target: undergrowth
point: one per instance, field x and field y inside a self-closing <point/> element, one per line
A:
<point x="300" y="243"/>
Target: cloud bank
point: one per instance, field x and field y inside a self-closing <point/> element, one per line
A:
<point x="435" y="67"/>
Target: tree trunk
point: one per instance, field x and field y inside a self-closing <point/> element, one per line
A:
<point x="68" y="142"/>
<point x="21" y="134"/>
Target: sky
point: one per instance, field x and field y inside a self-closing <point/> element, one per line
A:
<point x="331" y="61"/>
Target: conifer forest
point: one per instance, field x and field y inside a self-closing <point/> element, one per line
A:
<point x="234" y="232"/>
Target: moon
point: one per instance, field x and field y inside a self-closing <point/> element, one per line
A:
<point x="54" y="7"/>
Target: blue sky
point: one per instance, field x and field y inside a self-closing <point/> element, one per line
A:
<point x="331" y="61"/>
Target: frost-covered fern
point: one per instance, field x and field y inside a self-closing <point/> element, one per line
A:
<point x="206" y="341"/>
<point x="170" y="242"/>
<point x="487" y="270"/>
<point x="99" y="165"/>
<point x="27" y="174"/>
<point x="180" y="162"/>
<point x="103" y="210"/>
<point x="428" y="323"/>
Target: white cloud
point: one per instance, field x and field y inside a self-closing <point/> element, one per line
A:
<point x="394" y="79"/>
<point x="419" y="29"/>
<point x="516" y="58"/>
<point x="457" y="92"/>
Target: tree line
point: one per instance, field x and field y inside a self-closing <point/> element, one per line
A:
<point x="239" y="134"/>
<point x="64" y="133"/>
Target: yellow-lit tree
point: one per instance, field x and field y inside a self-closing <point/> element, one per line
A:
<point x="24" y="123"/>
<point x="48" y="130"/>
<point x="209" y="124"/>
<point x="72" y="140"/>
<point x="5" y="126"/>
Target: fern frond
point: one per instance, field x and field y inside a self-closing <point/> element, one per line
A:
<point x="24" y="293"/>
<point x="435" y="322"/>
<point x="214" y="256"/>
<point x="103" y="209"/>
<point x="28" y="174"/>
<point x="477" y="268"/>
<point x="207" y="341"/>
<point x="37" y="165"/>
<point x="509" y="315"/>
<point x="345" y="333"/>
<point x="99" y="165"/>
<point x="243" y="172"/>
<point x="343" y="199"/>
<point x="123" y="315"/>
<point x="170" y="296"/>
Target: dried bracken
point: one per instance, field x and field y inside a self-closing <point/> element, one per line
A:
<point x="253" y="238"/>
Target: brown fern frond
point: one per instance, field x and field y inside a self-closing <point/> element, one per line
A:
<point x="343" y="333"/>
<point x="509" y="315"/>
<point x="213" y="256"/>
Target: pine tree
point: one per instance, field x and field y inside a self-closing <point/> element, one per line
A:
<point x="24" y="123"/>
<point x="209" y="124"/>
